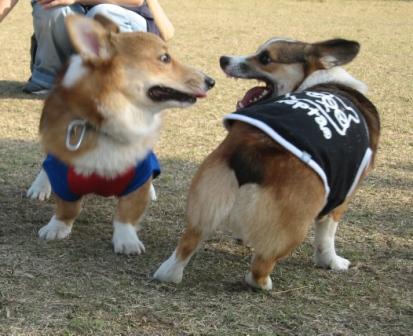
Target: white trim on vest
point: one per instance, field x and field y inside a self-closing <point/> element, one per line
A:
<point x="363" y="166"/>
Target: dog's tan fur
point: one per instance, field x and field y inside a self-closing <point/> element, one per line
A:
<point x="274" y="215"/>
<point x="109" y="85"/>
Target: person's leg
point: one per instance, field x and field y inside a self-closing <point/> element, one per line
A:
<point x="127" y="20"/>
<point x="53" y="45"/>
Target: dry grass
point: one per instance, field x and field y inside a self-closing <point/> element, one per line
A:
<point x="79" y="287"/>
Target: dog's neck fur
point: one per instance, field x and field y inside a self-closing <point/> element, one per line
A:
<point x="334" y="75"/>
<point x="120" y="145"/>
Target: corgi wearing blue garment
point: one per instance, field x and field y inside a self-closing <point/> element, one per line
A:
<point x="101" y="121"/>
<point x="297" y="148"/>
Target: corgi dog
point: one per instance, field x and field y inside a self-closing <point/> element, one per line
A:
<point x="296" y="149"/>
<point x="99" y="124"/>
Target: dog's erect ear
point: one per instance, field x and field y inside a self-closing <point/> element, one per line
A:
<point x="107" y="23"/>
<point x="335" y="52"/>
<point x="89" y="38"/>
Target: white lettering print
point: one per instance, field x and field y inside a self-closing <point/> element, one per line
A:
<point x="328" y="111"/>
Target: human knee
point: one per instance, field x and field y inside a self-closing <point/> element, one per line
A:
<point x="54" y="17"/>
<point x="107" y="10"/>
<point x="47" y="18"/>
<point x="125" y="19"/>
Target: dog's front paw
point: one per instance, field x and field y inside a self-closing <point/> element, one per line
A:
<point x="125" y="239"/>
<point x="340" y="264"/>
<point x="265" y="284"/>
<point x="332" y="261"/>
<point x="40" y="188"/>
<point x="170" y="271"/>
<point x="55" y="229"/>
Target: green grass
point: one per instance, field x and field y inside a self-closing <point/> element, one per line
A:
<point x="79" y="287"/>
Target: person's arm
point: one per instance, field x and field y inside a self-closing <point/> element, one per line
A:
<point x="164" y="25"/>
<point x="53" y="3"/>
<point x="5" y="7"/>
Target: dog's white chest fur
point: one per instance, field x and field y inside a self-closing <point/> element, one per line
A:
<point x="123" y="141"/>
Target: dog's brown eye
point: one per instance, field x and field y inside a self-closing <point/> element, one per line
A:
<point x="264" y="58"/>
<point x="165" y="58"/>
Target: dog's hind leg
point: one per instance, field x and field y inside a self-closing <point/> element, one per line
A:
<point x="131" y="208"/>
<point x="271" y="225"/>
<point x="261" y="268"/>
<point x="210" y="199"/>
<point x="324" y="248"/>
<point x="60" y="225"/>
<point x="172" y="269"/>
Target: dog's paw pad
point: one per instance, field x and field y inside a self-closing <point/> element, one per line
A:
<point x="170" y="271"/>
<point x="54" y="230"/>
<point x="125" y="240"/>
<point x="265" y="284"/>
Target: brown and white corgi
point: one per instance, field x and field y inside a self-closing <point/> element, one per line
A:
<point x="101" y="121"/>
<point x="269" y="184"/>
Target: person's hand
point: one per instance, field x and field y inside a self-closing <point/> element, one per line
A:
<point x="54" y="3"/>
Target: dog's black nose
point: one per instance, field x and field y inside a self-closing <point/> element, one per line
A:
<point x="224" y="61"/>
<point x="210" y="82"/>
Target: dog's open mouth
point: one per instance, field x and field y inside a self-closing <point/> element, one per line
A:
<point x="162" y="93"/>
<point x="256" y="94"/>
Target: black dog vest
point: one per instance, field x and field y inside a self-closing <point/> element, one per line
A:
<point x="325" y="131"/>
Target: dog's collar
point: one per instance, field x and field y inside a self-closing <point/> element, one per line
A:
<point x="77" y="129"/>
<point x="76" y="133"/>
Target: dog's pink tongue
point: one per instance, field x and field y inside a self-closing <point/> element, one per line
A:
<point x="251" y="96"/>
<point x="200" y="94"/>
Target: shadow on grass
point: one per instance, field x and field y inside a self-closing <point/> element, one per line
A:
<point x="89" y="248"/>
<point x="22" y="160"/>
<point x="13" y="89"/>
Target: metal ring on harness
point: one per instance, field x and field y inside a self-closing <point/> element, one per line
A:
<point x="72" y="130"/>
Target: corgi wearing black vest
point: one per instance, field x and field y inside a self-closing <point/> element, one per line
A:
<point x="296" y="150"/>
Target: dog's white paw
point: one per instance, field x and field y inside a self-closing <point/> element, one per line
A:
<point x="125" y="239"/>
<point x="332" y="261"/>
<point x="40" y="188"/>
<point x="55" y="229"/>
<point x="171" y="270"/>
<point x="340" y="264"/>
<point x="250" y="281"/>
<point x="152" y="193"/>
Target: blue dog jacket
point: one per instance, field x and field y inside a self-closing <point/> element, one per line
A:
<point x="71" y="186"/>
